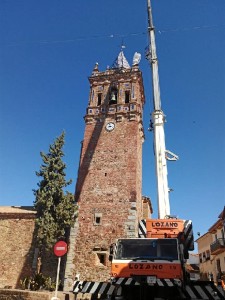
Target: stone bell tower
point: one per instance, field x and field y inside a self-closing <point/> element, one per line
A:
<point x="109" y="184"/>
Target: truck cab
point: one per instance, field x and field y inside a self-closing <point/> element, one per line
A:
<point x="147" y="259"/>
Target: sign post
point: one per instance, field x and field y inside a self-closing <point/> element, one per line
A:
<point x="60" y="249"/>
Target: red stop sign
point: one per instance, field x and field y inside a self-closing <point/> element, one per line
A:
<point x="60" y="248"/>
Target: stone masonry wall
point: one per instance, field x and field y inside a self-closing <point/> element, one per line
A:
<point x="18" y="256"/>
<point x="109" y="185"/>
<point x="16" y="249"/>
<point x="110" y="191"/>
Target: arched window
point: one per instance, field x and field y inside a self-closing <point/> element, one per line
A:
<point x="113" y="96"/>
<point x="99" y="99"/>
<point x="127" y="96"/>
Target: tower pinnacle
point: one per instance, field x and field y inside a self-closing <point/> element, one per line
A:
<point x="121" y="61"/>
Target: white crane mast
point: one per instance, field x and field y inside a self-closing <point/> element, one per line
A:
<point x="157" y="124"/>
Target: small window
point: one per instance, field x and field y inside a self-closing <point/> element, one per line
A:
<point x="132" y="92"/>
<point x="101" y="258"/>
<point x="203" y="257"/>
<point x="97" y="219"/>
<point x="218" y="266"/>
<point x="99" y="99"/>
<point x="100" y="88"/>
<point x="127" y="96"/>
<point x="101" y="255"/>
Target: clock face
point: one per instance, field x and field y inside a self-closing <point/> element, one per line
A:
<point x="110" y="126"/>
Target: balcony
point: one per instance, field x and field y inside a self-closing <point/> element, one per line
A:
<point x="217" y="247"/>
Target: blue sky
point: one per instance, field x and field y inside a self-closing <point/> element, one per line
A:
<point x="49" y="48"/>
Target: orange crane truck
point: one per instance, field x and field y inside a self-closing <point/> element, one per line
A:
<point x="162" y="251"/>
<point x="151" y="267"/>
<point x="153" y="264"/>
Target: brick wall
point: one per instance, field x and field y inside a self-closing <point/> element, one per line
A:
<point x="109" y="185"/>
<point x="109" y="192"/>
<point x="16" y="248"/>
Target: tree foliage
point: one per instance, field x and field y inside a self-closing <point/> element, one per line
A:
<point x="56" y="209"/>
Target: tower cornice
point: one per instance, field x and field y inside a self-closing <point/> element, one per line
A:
<point x="109" y="73"/>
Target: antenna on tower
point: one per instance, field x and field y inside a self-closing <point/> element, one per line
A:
<point x="122" y="45"/>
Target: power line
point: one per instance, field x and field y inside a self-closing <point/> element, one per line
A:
<point x="110" y="36"/>
<point x="79" y="38"/>
<point x="203" y="27"/>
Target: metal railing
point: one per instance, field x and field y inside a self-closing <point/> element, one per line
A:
<point x="217" y="245"/>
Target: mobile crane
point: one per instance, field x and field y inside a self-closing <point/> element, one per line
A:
<point x="152" y="266"/>
<point x="157" y="263"/>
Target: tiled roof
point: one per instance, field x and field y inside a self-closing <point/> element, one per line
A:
<point x="192" y="267"/>
<point x="222" y="214"/>
<point x="17" y="210"/>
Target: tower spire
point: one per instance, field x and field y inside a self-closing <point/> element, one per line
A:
<point x="121" y="61"/>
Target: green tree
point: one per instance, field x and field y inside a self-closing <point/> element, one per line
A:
<point x="56" y="209"/>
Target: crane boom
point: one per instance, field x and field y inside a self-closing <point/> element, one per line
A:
<point x="154" y="61"/>
<point x="158" y="120"/>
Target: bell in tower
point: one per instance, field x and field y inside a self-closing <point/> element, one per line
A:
<point x="113" y="97"/>
<point x="109" y="184"/>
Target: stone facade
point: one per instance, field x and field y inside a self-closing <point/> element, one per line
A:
<point x="16" y="244"/>
<point x="109" y="185"/>
<point x="19" y="257"/>
<point x="206" y="266"/>
<point x="211" y="250"/>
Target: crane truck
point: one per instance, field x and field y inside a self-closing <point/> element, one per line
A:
<point x="152" y="266"/>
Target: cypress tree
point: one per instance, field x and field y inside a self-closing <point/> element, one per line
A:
<point x="56" y="209"/>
